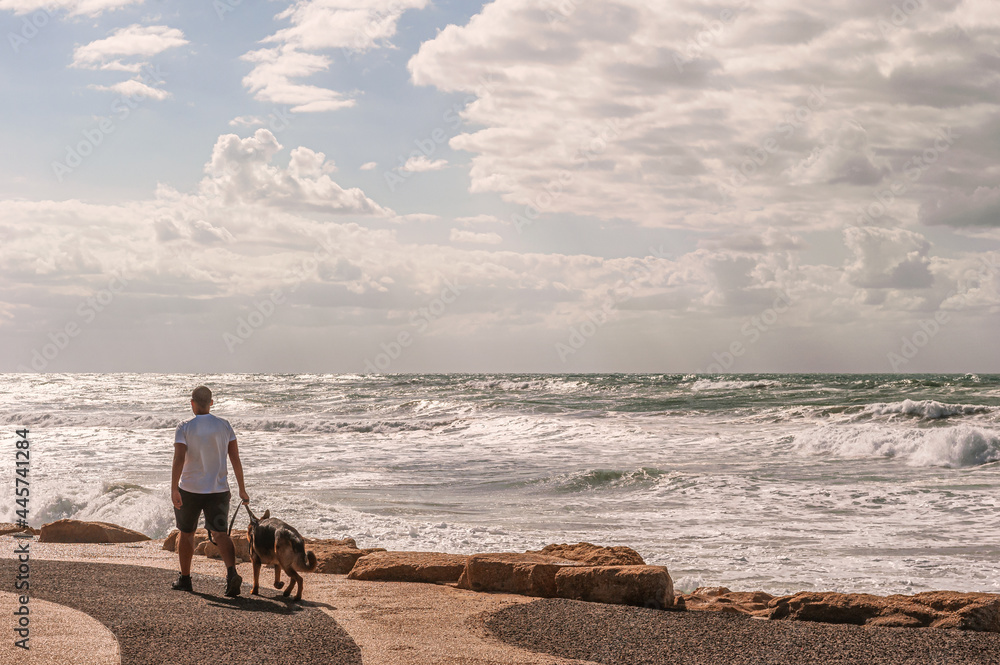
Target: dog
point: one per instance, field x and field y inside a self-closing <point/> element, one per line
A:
<point x="277" y="544"/>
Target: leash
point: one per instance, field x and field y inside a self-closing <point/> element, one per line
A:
<point x="253" y="520"/>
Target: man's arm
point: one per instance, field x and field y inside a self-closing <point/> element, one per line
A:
<point x="180" y="451"/>
<point x="234" y="459"/>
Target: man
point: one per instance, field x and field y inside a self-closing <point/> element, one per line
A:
<point x="198" y="485"/>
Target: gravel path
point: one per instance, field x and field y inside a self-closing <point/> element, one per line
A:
<point x="613" y="635"/>
<point x="155" y="624"/>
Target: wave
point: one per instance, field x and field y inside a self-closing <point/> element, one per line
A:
<point x="609" y="478"/>
<point x="925" y="409"/>
<point x="724" y="384"/>
<point x="961" y="446"/>
<point x="130" y="505"/>
<point x="96" y="419"/>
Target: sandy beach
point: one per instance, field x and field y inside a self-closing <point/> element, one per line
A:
<point x="112" y="604"/>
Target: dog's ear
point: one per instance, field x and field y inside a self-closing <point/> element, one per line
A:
<point x="267" y="513"/>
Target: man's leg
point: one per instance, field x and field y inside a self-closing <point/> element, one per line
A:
<point x="226" y="548"/>
<point x="216" y="515"/>
<point x="187" y="522"/>
<point x="185" y="551"/>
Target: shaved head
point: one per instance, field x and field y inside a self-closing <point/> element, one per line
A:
<point x="202" y="396"/>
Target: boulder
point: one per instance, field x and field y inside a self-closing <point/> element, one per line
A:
<point x="850" y="608"/>
<point x="76" y="531"/>
<point x="335" y="558"/>
<point x="430" y="567"/>
<point x="594" y="555"/>
<point x="510" y="572"/>
<point x="721" y="599"/>
<point x="170" y="543"/>
<point x="645" y="586"/>
<point x="6" y="529"/>
<point x="933" y="609"/>
<point x="211" y="550"/>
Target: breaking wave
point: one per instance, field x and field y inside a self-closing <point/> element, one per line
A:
<point x="951" y="447"/>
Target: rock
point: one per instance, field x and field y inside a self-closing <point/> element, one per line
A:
<point x="645" y="586"/>
<point x="429" y="567"/>
<point x="721" y="599"/>
<point x="6" y="529"/>
<point x="594" y="555"/>
<point x="849" y="608"/>
<point x="76" y="531"/>
<point x="346" y="542"/>
<point x="510" y="572"/>
<point x="335" y="558"/>
<point x="211" y="550"/>
<point x="934" y="609"/>
<point x="968" y="611"/>
<point x="170" y="543"/>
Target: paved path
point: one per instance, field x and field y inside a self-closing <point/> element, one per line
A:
<point x="154" y="624"/>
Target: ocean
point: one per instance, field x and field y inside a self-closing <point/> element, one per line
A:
<point x="874" y="483"/>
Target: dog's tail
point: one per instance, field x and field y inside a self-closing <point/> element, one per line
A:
<point x="311" y="561"/>
<point x="306" y="560"/>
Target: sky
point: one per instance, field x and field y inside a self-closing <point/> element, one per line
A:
<point x="508" y="186"/>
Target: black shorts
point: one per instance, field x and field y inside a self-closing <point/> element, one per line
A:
<point x="215" y="506"/>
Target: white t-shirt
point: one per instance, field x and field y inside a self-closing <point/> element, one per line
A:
<point x="207" y="439"/>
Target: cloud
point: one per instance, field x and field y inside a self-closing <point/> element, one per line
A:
<point x="468" y="237"/>
<point x="316" y="25"/>
<point x="134" y="41"/>
<point x="673" y="114"/>
<point x="135" y="89"/>
<point x="271" y="80"/>
<point x="73" y="7"/>
<point x="368" y="166"/>
<point x="420" y="163"/>
<point x="240" y="171"/>
<point x="981" y="208"/>
<point x="887" y="259"/>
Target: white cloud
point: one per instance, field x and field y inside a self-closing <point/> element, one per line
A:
<point x="888" y="258"/>
<point x="73" y="7"/>
<point x="349" y="25"/>
<point x="247" y="121"/>
<point x="135" y="89"/>
<point x="672" y="114"/>
<point x="135" y="41"/>
<point x="240" y="171"/>
<point x="469" y="237"/>
<point x="130" y="49"/>
<point x="369" y="166"/>
<point x="477" y="220"/>
<point x="420" y="164"/>
<point x="271" y="80"/>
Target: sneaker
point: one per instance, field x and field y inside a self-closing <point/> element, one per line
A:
<point x="183" y="583"/>
<point x="233" y="584"/>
